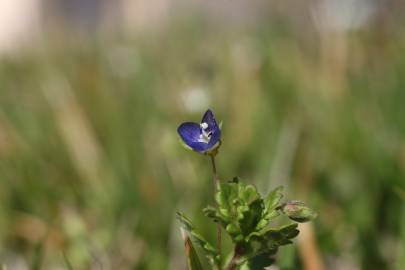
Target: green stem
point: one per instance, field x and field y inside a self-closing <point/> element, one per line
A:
<point x="233" y="264"/>
<point x="216" y="186"/>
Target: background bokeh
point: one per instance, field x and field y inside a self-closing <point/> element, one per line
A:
<point x="311" y="95"/>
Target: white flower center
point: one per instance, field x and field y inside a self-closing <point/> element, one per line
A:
<point x="205" y="136"/>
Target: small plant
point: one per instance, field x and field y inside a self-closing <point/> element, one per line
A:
<point x="240" y="211"/>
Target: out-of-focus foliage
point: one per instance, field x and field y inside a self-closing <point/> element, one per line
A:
<point x="91" y="171"/>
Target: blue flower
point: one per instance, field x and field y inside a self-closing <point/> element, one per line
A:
<point x="204" y="137"/>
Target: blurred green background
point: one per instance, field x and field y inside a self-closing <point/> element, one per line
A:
<point x="311" y="95"/>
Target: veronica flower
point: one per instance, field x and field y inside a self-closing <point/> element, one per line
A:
<point x="204" y="137"/>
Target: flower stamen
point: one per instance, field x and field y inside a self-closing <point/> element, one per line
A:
<point x="205" y="135"/>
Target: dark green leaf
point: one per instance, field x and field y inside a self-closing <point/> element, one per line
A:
<point x="261" y="261"/>
<point x="251" y="216"/>
<point x="267" y="242"/>
<point x="280" y="236"/>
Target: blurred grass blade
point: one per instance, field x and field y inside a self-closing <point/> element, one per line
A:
<point x="67" y="262"/>
<point x="38" y="256"/>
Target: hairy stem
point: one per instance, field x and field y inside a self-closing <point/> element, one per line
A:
<point x="233" y="264"/>
<point x="216" y="185"/>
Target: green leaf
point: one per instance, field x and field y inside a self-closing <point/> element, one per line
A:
<point x="213" y="213"/>
<point x="261" y="260"/>
<point x="248" y="194"/>
<point x="251" y="216"/>
<point x="250" y="205"/>
<point x="226" y="198"/>
<point x="275" y="236"/>
<point x="281" y="236"/>
<point x="185" y="222"/>
<point x="240" y="208"/>
<point x="261" y="245"/>
<point x="273" y="199"/>
<point x="210" y="252"/>
<point x="193" y="262"/>
<point x="298" y="211"/>
<point x="271" y="203"/>
<point x="232" y="229"/>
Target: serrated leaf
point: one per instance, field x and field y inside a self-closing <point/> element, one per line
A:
<point x="232" y="229"/>
<point x="285" y="232"/>
<point x="282" y="235"/>
<point x="273" y="198"/>
<point x="261" y="224"/>
<point x="290" y="230"/>
<point x="298" y="211"/>
<point x="251" y="216"/>
<point x="261" y="261"/>
<point x="210" y="252"/>
<point x="271" y="203"/>
<point x="257" y="260"/>
<point x="226" y="196"/>
<point x="240" y="206"/>
<point x="269" y="240"/>
<point x="251" y="208"/>
<point x="213" y="213"/>
<point x="248" y="194"/>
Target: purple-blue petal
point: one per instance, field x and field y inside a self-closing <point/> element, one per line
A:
<point x="212" y="127"/>
<point x="210" y="120"/>
<point x="190" y="133"/>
